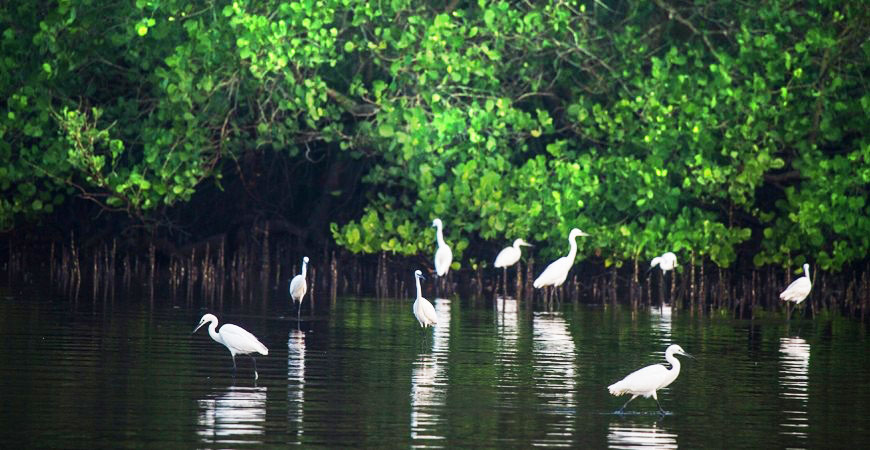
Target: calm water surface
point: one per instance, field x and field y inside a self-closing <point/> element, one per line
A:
<point x="362" y="373"/>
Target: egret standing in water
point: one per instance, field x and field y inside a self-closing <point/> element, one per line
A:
<point x="509" y="256"/>
<point x="648" y="380"/>
<point x="423" y="310"/>
<point x="235" y="338"/>
<point x="556" y="273"/>
<point x="443" y="256"/>
<point x="298" y="287"/>
<point x="797" y="291"/>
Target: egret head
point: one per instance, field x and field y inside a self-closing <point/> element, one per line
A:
<point x="436" y="223"/>
<point x="305" y="260"/>
<point x="520" y="242"/>
<point x="675" y="349"/>
<point x="577" y="232"/>
<point x="205" y="319"/>
<point x="807" y="270"/>
<point x="418" y="274"/>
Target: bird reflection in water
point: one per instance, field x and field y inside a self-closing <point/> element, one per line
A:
<point x="295" y="381"/>
<point x="623" y="435"/>
<point x="555" y="376"/>
<point x="237" y="416"/>
<point x="794" y="354"/>
<point x="429" y="382"/>
<point x="662" y="322"/>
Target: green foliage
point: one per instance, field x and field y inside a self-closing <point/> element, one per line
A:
<point x="655" y="126"/>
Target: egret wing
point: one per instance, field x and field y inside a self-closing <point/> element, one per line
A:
<point x="506" y="257"/>
<point x="641" y="382"/>
<point x="425" y="312"/>
<point x="797" y="290"/>
<point x="443" y="259"/>
<point x="554" y="274"/>
<point x="241" y="341"/>
<point x="298" y="287"/>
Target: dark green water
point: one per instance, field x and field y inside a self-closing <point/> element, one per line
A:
<point x="127" y="374"/>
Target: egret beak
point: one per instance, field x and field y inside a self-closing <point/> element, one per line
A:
<point x="527" y="244"/>
<point x="421" y="277"/>
<point x="686" y="354"/>
<point x="198" y="327"/>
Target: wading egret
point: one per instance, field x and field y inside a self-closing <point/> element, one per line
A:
<point x="798" y="290"/>
<point x="556" y="273"/>
<point x="665" y="262"/>
<point x="648" y="380"/>
<point x="423" y="310"/>
<point x="298" y="287"/>
<point x="509" y="256"/>
<point x="235" y="338"/>
<point x="443" y="256"/>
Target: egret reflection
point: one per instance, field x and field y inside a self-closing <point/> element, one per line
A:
<point x="662" y="321"/>
<point x="236" y="416"/>
<point x="508" y="369"/>
<point x="429" y="382"/>
<point x="794" y="355"/>
<point x="622" y="435"/>
<point x="554" y="369"/>
<point x="296" y="381"/>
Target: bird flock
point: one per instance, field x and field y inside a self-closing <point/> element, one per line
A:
<point x="642" y="382"/>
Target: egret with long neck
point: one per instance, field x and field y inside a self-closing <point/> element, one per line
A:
<point x="423" y="310"/>
<point x="298" y="287"/>
<point x="648" y="380"/>
<point x="556" y="273"/>
<point x="797" y="291"/>
<point x="443" y="256"/>
<point x="235" y="338"/>
<point x="509" y="256"/>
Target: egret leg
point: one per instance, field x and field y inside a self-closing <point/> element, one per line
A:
<point x="661" y="410"/>
<point x="234" y="365"/>
<point x="622" y="410"/>
<point x="256" y="376"/>
<point x="504" y="280"/>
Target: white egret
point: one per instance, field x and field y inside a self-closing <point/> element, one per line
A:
<point x="298" y="287"/>
<point x="666" y="262"/>
<point x="798" y="290"/>
<point x="443" y="256"/>
<point x="235" y="338"/>
<point x="556" y="273"/>
<point x="509" y="256"/>
<point x="648" y="380"/>
<point x="423" y="310"/>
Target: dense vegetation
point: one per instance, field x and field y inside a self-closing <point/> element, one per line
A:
<point x="731" y="128"/>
